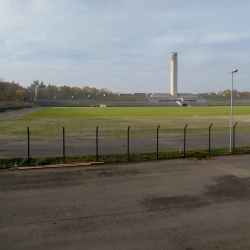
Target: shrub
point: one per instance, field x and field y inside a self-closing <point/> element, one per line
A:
<point x="26" y="162"/>
<point x="13" y="161"/>
<point x="44" y="161"/>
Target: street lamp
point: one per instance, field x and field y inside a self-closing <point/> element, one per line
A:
<point x="35" y="92"/>
<point x="231" y="120"/>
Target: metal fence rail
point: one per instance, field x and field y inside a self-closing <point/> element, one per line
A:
<point x="65" y="142"/>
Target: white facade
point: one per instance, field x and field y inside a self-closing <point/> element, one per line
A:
<point x="173" y="74"/>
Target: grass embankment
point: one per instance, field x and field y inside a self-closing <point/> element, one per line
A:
<point x="6" y="105"/>
<point x="193" y="154"/>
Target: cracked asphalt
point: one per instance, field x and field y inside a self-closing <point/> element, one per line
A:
<point x="166" y="204"/>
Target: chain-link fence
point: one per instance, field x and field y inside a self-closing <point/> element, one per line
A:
<point x="67" y="142"/>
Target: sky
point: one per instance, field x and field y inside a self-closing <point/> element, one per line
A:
<point x="125" y="45"/>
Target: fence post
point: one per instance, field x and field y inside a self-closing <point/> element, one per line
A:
<point x="63" y="145"/>
<point x="28" y="145"/>
<point x="128" y="142"/>
<point x="97" y="144"/>
<point x="185" y="140"/>
<point x="157" y="140"/>
<point x="209" y="137"/>
<point x="234" y="137"/>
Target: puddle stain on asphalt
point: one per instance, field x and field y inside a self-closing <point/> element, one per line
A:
<point x="118" y="173"/>
<point x="225" y="188"/>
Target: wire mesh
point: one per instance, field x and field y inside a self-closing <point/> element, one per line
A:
<point x="46" y="144"/>
<point x="110" y="142"/>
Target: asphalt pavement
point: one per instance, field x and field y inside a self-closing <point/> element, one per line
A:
<point x="12" y="114"/>
<point x="167" y="204"/>
<point x="10" y="147"/>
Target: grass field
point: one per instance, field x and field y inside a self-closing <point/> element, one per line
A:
<point x="90" y="113"/>
<point x="48" y="123"/>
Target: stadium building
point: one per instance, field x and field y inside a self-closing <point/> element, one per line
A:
<point x="173" y="98"/>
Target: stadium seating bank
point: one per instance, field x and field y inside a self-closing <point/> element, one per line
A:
<point x="181" y="99"/>
<point x="121" y="100"/>
<point x="124" y="100"/>
<point x="220" y="100"/>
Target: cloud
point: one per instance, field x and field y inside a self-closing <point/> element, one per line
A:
<point x="125" y="44"/>
<point x="222" y="37"/>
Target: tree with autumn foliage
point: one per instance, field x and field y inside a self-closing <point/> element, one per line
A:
<point x="86" y="90"/>
<point x="76" y="91"/>
<point x="228" y="92"/>
<point x="20" y="95"/>
<point x="245" y="93"/>
<point x="13" y="91"/>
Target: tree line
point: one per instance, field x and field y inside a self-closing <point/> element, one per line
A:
<point x="14" y="91"/>
<point x="227" y="92"/>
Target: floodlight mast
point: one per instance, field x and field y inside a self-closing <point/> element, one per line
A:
<point x="231" y="119"/>
<point x="36" y="91"/>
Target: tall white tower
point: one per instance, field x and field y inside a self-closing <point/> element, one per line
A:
<point x="173" y="74"/>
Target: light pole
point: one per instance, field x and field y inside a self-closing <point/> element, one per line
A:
<point x="231" y="120"/>
<point x="36" y="93"/>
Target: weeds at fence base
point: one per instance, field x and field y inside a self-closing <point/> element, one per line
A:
<point x="44" y="161"/>
<point x="134" y="157"/>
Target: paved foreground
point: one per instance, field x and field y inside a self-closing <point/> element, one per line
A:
<point x="170" y="204"/>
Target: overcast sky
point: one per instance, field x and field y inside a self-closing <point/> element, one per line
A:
<point x="125" y="45"/>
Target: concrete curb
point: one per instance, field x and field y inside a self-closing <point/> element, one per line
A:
<point x="58" y="165"/>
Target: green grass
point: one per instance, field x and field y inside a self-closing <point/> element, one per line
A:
<point x="82" y="122"/>
<point x="193" y="154"/>
<point x="90" y="113"/>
